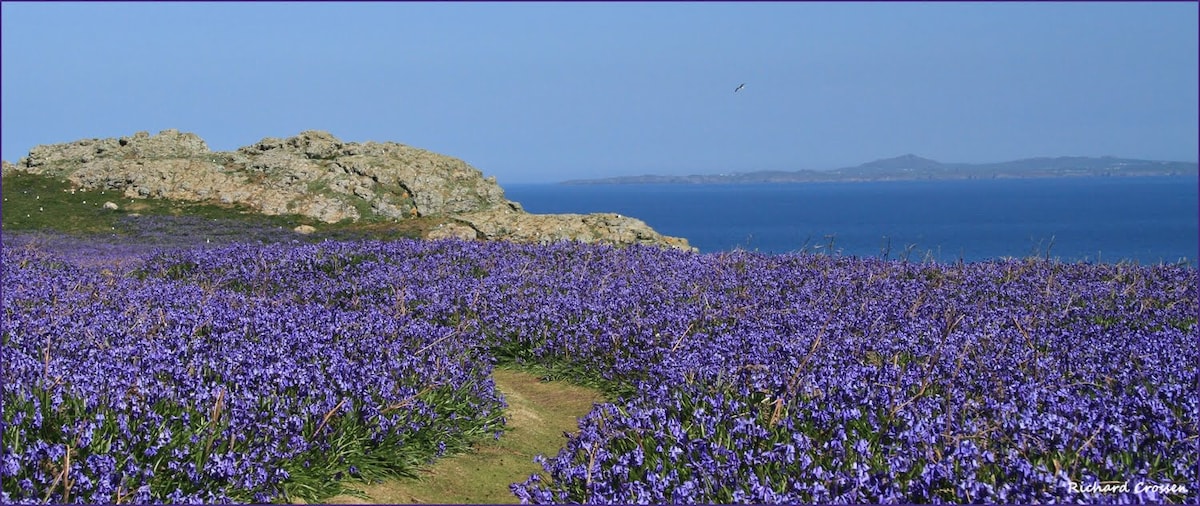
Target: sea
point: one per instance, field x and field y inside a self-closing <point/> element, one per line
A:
<point x="1144" y="220"/>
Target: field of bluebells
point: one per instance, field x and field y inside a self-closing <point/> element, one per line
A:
<point x="270" y="372"/>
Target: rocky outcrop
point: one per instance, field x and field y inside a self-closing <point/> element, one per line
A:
<point x="317" y="175"/>
<point x="312" y="174"/>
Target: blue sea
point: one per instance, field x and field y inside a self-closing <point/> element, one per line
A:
<point x="1147" y="220"/>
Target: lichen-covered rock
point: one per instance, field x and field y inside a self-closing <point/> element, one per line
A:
<point x="167" y="144"/>
<point x="317" y="175"/>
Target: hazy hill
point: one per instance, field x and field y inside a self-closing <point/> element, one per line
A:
<point x="912" y="167"/>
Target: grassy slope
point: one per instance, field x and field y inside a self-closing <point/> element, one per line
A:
<point x="33" y="203"/>
<point x="538" y="414"/>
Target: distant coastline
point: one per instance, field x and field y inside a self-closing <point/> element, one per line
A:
<point x="915" y="168"/>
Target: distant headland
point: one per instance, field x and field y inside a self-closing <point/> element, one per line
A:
<point x="912" y="167"/>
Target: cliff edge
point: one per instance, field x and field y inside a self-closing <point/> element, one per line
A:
<point x="317" y="175"/>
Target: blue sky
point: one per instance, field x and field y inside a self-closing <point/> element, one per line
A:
<point x="539" y="92"/>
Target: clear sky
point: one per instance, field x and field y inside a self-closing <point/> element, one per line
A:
<point x="540" y="92"/>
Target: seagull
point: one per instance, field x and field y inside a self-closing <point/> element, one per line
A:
<point x="739" y="88"/>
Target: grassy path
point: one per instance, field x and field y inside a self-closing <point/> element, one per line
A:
<point x="538" y="414"/>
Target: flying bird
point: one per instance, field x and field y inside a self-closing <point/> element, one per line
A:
<point x="739" y="88"/>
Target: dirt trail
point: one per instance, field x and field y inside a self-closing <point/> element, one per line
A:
<point x="538" y="414"/>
